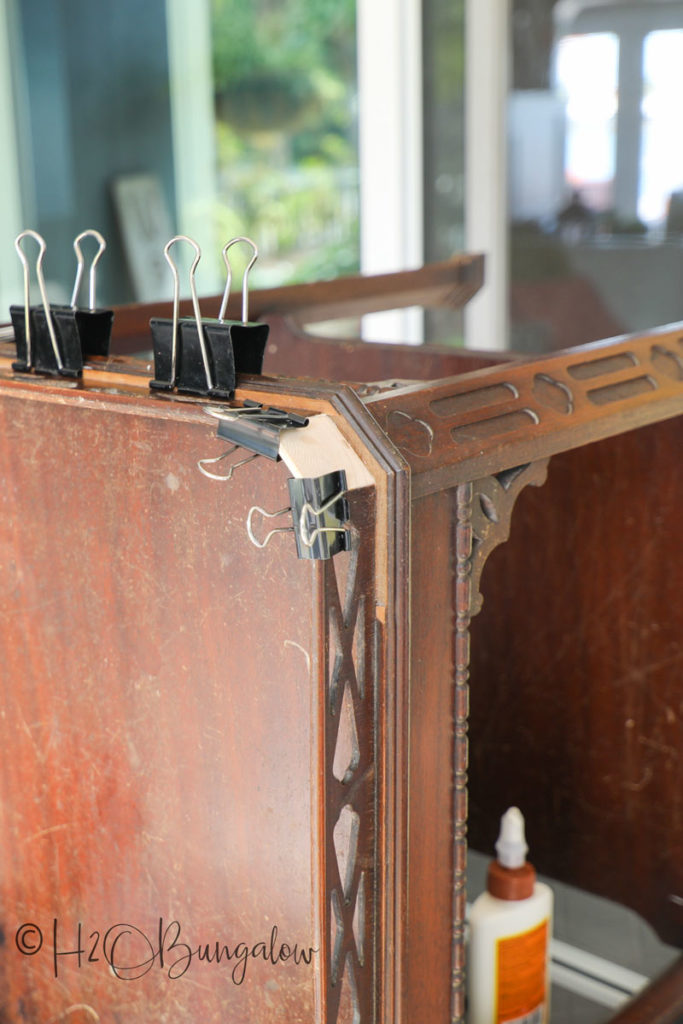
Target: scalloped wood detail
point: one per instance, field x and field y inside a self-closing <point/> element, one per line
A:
<point x="493" y="502"/>
<point x="475" y="425"/>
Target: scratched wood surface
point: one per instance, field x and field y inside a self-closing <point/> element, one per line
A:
<point x="160" y="727"/>
<point x="205" y="733"/>
<point x="598" y="592"/>
<point x="576" y="677"/>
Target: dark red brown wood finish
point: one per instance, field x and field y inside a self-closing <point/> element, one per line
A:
<point x="352" y="641"/>
<point x="577" y="704"/>
<point x="468" y="427"/>
<point x="148" y="777"/>
<point x="191" y="727"/>
<point x="603" y="782"/>
<point x="295" y="312"/>
<point x="435" y="912"/>
<point x="448" y="284"/>
<point x="385" y="782"/>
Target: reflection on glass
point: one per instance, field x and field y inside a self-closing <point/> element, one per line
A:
<point x="443" y="43"/>
<point x="587" y="75"/>
<point x="285" y="92"/>
<point x="661" y="158"/>
<point x="117" y="103"/>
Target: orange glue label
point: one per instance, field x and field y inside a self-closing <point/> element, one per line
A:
<point x="522" y="977"/>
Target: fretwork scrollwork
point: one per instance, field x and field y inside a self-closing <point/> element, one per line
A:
<point x="483" y="512"/>
<point x="493" y="500"/>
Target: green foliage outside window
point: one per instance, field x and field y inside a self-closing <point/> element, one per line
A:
<point x="285" y="88"/>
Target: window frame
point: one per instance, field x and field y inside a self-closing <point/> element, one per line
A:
<point x="631" y="25"/>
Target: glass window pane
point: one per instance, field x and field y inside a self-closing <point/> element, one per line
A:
<point x="661" y="162"/>
<point x="590" y="268"/>
<point x="285" y="84"/>
<point x="587" y="71"/>
<point x="444" y="148"/>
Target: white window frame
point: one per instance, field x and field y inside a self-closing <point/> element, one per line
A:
<point x="488" y="65"/>
<point x="487" y="80"/>
<point x="391" y="155"/>
<point x="630" y="24"/>
<point x="193" y="123"/>
<point x="390" y="140"/>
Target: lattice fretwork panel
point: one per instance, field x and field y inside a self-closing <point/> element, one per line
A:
<point x="350" y="773"/>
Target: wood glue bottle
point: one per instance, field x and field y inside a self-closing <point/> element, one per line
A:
<point x="509" y="937"/>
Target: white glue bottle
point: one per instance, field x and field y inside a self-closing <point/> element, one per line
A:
<point x="509" y="937"/>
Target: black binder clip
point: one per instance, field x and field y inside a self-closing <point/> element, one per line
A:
<point x="251" y="426"/>
<point x="248" y="339"/>
<point x="38" y="346"/>
<point x="256" y="427"/>
<point x="92" y="325"/>
<point x="319" y="510"/>
<point x="203" y="356"/>
<point x="55" y="340"/>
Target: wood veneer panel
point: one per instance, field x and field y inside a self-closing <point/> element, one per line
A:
<point x="576" y="695"/>
<point x="237" y="705"/>
<point x="427" y="967"/>
<point x="451" y="432"/>
<point x="161" y="725"/>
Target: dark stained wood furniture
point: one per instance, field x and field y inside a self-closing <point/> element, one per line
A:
<point x="448" y="285"/>
<point x="207" y="732"/>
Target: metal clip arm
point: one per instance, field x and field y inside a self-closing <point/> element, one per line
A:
<point x="266" y="515"/>
<point x="33" y="325"/>
<point x="319" y="511"/>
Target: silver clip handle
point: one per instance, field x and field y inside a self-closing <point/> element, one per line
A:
<point x="266" y="515"/>
<point x="80" y="264"/>
<point x="309" y="539"/>
<point x="203" y="463"/>
<point x="195" y="306"/>
<point x="29" y="233"/>
<point x="245" y="277"/>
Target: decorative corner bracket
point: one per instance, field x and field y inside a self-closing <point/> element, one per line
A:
<point x="493" y="499"/>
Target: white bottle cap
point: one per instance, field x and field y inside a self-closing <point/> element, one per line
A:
<point x="511" y="847"/>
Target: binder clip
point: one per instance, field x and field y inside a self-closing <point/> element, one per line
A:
<point x="203" y="356"/>
<point x="251" y="426"/>
<point x="55" y="340"/>
<point x="92" y="325"/>
<point x="248" y="339"/>
<point x="319" y="511"/>
<point x="38" y="346"/>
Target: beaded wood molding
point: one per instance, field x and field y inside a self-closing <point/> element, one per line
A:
<point x="483" y="512"/>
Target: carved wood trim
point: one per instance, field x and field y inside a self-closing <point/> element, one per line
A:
<point x="493" y="501"/>
<point x="477" y="424"/>
<point x="350" y="845"/>
<point x="461" y="657"/>
<point x="483" y="513"/>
